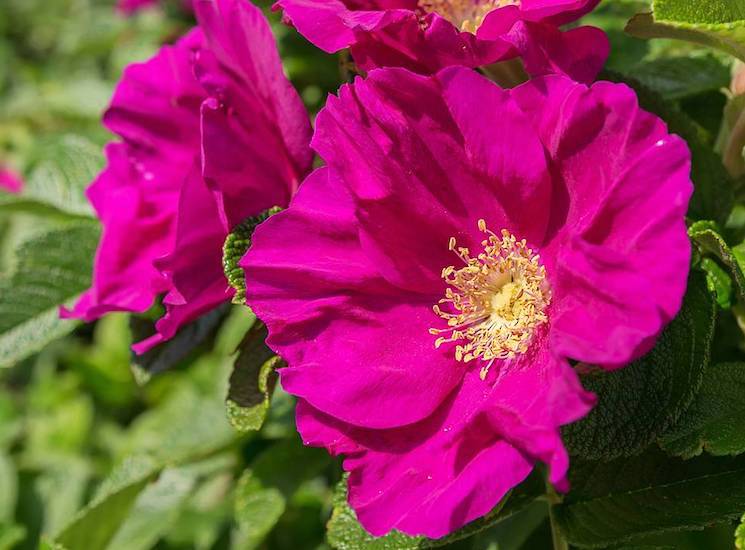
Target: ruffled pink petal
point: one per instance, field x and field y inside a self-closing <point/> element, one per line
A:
<point x="579" y="53"/>
<point x="320" y="21"/>
<point x="137" y="228"/>
<point x="503" y="147"/>
<point x="321" y="430"/>
<point x="163" y="227"/>
<point x="435" y="476"/>
<point x="591" y="134"/>
<point x="618" y="294"/>
<point x="627" y="187"/>
<point x="394" y="141"/>
<point x="255" y="130"/>
<point x="155" y="110"/>
<point x="193" y="268"/>
<point x="557" y="12"/>
<point x="315" y="283"/>
<point x="394" y="34"/>
<point x="400" y="41"/>
<point x="156" y="104"/>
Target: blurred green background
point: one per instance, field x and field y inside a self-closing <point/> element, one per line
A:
<point x="79" y="423"/>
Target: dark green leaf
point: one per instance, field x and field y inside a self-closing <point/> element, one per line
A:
<point x="52" y="269"/>
<point x="714" y="422"/>
<point x="714" y="189"/>
<point x="252" y="381"/>
<point x="638" y="403"/>
<point x="513" y="532"/>
<point x="623" y="500"/>
<point x="168" y="354"/>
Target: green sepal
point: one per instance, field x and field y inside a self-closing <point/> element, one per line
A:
<point x="236" y="244"/>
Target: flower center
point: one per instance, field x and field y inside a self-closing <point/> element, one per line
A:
<point x="467" y="15"/>
<point x="497" y="299"/>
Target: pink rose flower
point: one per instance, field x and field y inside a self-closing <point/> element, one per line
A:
<point x="429" y="286"/>
<point x="212" y="132"/>
<point x="10" y="181"/>
<point x="428" y="35"/>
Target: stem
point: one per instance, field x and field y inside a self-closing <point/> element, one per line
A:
<point x="557" y="537"/>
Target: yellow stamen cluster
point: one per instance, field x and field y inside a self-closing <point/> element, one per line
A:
<point x="497" y="299"/>
<point x="467" y="15"/>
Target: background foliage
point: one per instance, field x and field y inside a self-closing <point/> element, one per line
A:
<point x="180" y="448"/>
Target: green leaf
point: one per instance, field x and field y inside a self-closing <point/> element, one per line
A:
<point x="705" y="235"/>
<point x="718" y="282"/>
<point x="155" y="510"/>
<point x="57" y="186"/>
<point x="345" y="532"/>
<point x="714" y="422"/>
<point x="681" y="77"/>
<point x="713" y="194"/>
<point x="513" y="532"/>
<point x="257" y="510"/>
<point x="168" y="354"/>
<point x="52" y="269"/>
<point x="691" y="11"/>
<point x="236" y="244"/>
<point x="265" y="489"/>
<point x="715" y="23"/>
<point x="204" y="515"/>
<point x="62" y="488"/>
<point x="95" y="525"/>
<point x="740" y="535"/>
<point x="188" y="425"/>
<point x="639" y="402"/>
<point x="252" y="381"/>
<point x="626" y="499"/>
